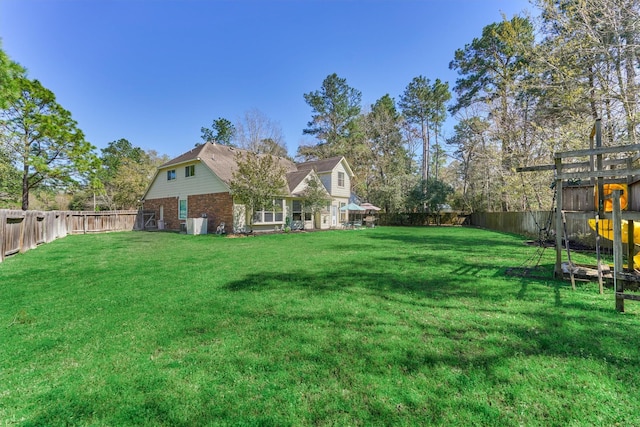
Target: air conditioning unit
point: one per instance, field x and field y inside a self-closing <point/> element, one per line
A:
<point x="196" y="226"/>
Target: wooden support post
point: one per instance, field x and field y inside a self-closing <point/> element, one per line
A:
<point x="592" y="165"/>
<point x="598" y="256"/>
<point x="599" y="167"/>
<point x="617" y="250"/>
<point x="558" y="267"/>
<point x="599" y="202"/>
<point x="566" y="244"/>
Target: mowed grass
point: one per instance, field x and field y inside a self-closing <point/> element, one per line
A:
<point x="385" y="326"/>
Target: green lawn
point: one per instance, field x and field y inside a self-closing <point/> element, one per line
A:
<point x="385" y="326"/>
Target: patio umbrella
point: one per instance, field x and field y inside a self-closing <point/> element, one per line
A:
<point x="352" y="207"/>
<point x="369" y="207"/>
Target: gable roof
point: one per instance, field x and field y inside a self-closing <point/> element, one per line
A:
<point x="295" y="178"/>
<point x="325" y="165"/>
<point x="221" y="159"/>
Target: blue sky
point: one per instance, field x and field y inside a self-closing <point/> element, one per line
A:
<point x="156" y="71"/>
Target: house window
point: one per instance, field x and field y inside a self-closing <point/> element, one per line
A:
<point x="296" y="210"/>
<point x="182" y="209"/>
<point x="341" y="179"/>
<point x="189" y="171"/>
<point x="278" y="212"/>
<point x="343" y="214"/>
<point x="274" y="214"/>
<point x="298" y="213"/>
<point x="171" y="175"/>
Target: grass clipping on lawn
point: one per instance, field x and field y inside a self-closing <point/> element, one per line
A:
<point x="385" y="326"/>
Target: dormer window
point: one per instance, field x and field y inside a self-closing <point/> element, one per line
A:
<point x="341" y="179"/>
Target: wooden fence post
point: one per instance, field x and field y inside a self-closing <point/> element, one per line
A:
<point x="566" y="243"/>
<point x="617" y="251"/>
<point x="598" y="256"/>
<point x="558" y="268"/>
<point x="3" y="227"/>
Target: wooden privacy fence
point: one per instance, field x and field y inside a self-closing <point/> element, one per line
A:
<point x="21" y="231"/>
<point x="102" y="222"/>
<point x="523" y="223"/>
<point x="419" y="218"/>
<point x="530" y="224"/>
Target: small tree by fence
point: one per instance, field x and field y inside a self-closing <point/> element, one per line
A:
<point x="21" y="231"/>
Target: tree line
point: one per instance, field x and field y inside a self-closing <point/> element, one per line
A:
<point x="526" y="88"/>
<point x="530" y="88"/>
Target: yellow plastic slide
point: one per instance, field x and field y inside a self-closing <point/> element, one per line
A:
<point x="608" y="201"/>
<point x="605" y="229"/>
<point x="605" y="226"/>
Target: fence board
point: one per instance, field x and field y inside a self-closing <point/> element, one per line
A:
<point x="634" y="189"/>
<point x="40" y="224"/>
<point x="13" y="232"/>
<point x="578" y="198"/>
<point x="28" y="232"/>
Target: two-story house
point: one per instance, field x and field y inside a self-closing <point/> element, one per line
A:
<point x="197" y="184"/>
<point x="335" y="174"/>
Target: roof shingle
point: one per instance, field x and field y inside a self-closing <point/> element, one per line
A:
<point x="320" y="166"/>
<point x="221" y="159"/>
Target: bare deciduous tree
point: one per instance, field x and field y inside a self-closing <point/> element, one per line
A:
<point x="258" y="133"/>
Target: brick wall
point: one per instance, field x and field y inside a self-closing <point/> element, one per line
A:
<point x="170" y="204"/>
<point x="217" y="206"/>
